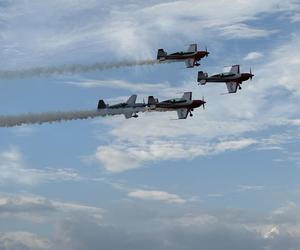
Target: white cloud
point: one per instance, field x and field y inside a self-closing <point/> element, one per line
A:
<point x="39" y="209"/>
<point x="253" y="56"/>
<point x="13" y="170"/>
<point x="283" y="68"/>
<point x="121" y="84"/>
<point x="23" y="240"/>
<point x="244" y="188"/>
<point x="273" y="232"/>
<point x="33" y="31"/>
<point x="155" y="195"/>
<point x="234" y="145"/>
<point x="195" y="220"/>
<point x="72" y="230"/>
<point x="121" y="157"/>
<point x="237" y="229"/>
<point x="244" y="31"/>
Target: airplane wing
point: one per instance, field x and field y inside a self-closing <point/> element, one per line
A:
<point x="132" y="99"/>
<point x="235" y="69"/>
<point x="187" y="96"/>
<point x="190" y="63"/>
<point x="232" y="87"/>
<point x="182" y="113"/>
<point x="192" y="48"/>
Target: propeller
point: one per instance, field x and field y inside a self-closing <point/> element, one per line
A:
<point x="206" y="51"/>
<point x="251" y="75"/>
<point x="203" y="105"/>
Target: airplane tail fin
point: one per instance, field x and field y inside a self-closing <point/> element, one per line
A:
<point x="161" y="54"/>
<point x="152" y="100"/>
<point x="101" y="104"/>
<point x="202" y="77"/>
<point x="192" y="48"/>
<point x="132" y="99"/>
<point x="187" y="96"/>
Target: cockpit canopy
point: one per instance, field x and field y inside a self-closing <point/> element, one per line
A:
<point x="225" y="74"/>
<point x="175" y="100"/>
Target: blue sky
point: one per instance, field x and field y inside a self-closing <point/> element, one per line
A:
<point x="228" y="178"/>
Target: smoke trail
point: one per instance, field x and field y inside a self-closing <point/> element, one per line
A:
<point x="72" y="69"/>
<point x="17" y="120"/>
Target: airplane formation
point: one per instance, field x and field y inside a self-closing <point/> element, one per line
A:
<point x="184" y="105"/>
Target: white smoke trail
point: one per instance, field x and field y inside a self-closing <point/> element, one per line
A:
<point x="72" y="69"/>
<point x="17" y="120"/>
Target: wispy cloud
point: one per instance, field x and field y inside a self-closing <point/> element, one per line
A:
<point x="126" y="156"/>
<point x="13" y="170"/>
<point x="133" y="31"/>
<point x="245" y="32"/>
<point x="155" y="195"/>
<point x="23" y="240"/>
<point x="245" y="188"/>
<point x="38" y="209"/>
<point x="121" y="84"/>
<point x="253" y="56"/>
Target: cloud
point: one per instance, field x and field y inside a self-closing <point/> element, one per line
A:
<point x="245" y="32"/>
<point x="191" y="220"/>
<point x="234" y="229"/>
<point x="288" y="213"/>
<point x="253" y="56"/>
<point x="74" y="226"/>
<point x="13" y="170"/>
<point x="126" y="156"/>
<point x="79" y="30"/>
<point x="154" y="195"/>
<point x="244" y="188"/>
<point x="284" y="64"/>
<point x="39" y="209"/>
<point x="113" y="238"/>
<point x="121" y="84"/>
<point x="23" y="240"/>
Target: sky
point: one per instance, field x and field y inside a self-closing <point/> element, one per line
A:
<point x="226" y="178"/>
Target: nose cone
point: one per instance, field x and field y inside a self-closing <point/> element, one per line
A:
<point x="198" y="103"/>
<point x="250" y="76"/>
<point x="247" y="76"/>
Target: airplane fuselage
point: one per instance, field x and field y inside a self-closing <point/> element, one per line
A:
<point x="228" y="77"/>
<point x="178" y="56"/>
<point x="173" y="105"/>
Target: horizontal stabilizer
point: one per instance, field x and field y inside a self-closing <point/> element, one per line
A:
<point x="202" y="82"/>
<point x="128" y="115"/>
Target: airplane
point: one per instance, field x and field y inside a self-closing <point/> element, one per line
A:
<point x="233" y="78"/>
<point x="184" y="105"/>
<point x="129" y="108"/>
<point x="190" y="57"/>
